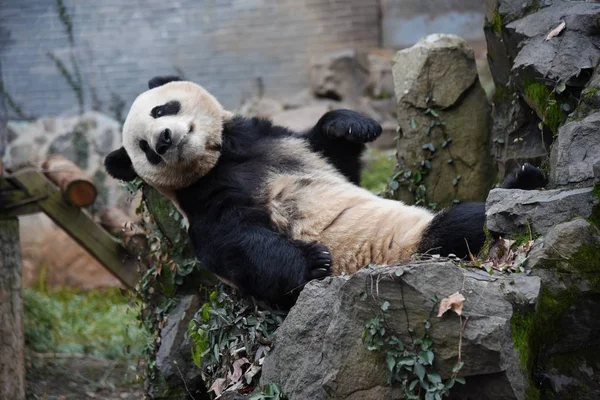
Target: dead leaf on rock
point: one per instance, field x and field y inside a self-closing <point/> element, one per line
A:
<point x="454" y="301"/>
<point x="556" y="31"/>
<point x="237" y="370"/>
<point x="218" y="386"/>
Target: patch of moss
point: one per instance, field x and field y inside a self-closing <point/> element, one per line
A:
<point x="530" y="9"/>
<point x="496" y="23"/>
<point x="587" y="263"/>
<point x="588" y="92"/>
<point x="550" y="308"/>
<point x="521" y="326"/>
<point x="485" y="249"/>
<point x="545" y="103"/>
<point x="502" y="94"/>
<point x="532" y="392"/>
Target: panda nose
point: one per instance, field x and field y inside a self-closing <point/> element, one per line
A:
<point x="164" y="141"/>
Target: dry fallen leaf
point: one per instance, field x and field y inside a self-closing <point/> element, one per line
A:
<point x="218" y="386"/>
<point x="237" y="370"/>
<point x="556" y="31"/>
<point x="454" y="301"/>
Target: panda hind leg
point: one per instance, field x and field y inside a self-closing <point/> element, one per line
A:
<point x="457" y="230"/>
<point x="527" y="177"/>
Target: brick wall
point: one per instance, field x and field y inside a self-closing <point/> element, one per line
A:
<point x="115" y="46"/>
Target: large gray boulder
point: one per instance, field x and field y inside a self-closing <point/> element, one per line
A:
<point x="444" y="123"/>
<point x="566" y="335"/>
<point x="319" y="351"/>
<point x="541" y="55"/>
<point x="565" y="57"/>
<point x="575" y="152"/>
<point x="511" y="210"/>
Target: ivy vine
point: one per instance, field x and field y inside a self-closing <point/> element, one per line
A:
<point x="410" y="363"/>
<point x="413" y="180"/>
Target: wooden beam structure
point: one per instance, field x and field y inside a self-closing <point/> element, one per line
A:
<point x="26" y="190"/>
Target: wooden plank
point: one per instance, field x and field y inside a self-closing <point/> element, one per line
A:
<point x="15" y="201"/>
<point x="80" y="226"/>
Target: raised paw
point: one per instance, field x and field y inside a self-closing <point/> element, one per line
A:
<point x="527" y="177"/>
<point x="350" y="125"/>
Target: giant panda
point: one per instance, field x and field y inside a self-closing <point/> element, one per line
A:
<point x="269" y="209"/>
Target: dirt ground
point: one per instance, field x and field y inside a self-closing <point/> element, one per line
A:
<point x="73" y="377"/>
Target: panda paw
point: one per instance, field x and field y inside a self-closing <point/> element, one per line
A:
<point x="527" y="177"/>
<point x="350" y="125"/>
<point x="318" y="257"/>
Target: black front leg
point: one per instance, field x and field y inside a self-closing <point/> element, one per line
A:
<point x="340" y="136"/>
<point x="259" y="261"/>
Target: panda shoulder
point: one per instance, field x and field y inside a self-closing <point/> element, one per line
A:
<point x="256" y="128"/>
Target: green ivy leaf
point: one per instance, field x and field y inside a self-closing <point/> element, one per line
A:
<point x="385" y="306"/>
<point x="457" y="367"/>
<point x="391" y="362"/>
<point x="434" y="377"/>
<point x="419" y="370"/>
<point x="413" y="384"/>
<point x="428" y="146"/>
<point x="430" y="356"/>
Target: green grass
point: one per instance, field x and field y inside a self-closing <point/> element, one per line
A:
<point x="378" y="168"/>
<point x="100" y="323"/>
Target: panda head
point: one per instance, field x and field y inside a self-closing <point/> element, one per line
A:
<point x="171" y="136"/>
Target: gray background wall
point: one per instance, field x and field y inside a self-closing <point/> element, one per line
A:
<point x="60" y="56"/>
<point x="116" y="45"/>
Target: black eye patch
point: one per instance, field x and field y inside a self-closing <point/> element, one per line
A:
<point x="151" y="155"/>
<point x="170" y="108"/>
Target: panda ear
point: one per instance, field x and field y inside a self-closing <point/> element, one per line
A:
<point x="118" y="165"/>
<point x="162" y="80"/>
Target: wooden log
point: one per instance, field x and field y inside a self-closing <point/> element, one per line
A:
<point x="119" y="224"/>
<point x="77" y="188"/>
<point x="80" y="226"/>
<point x="12" y="342"/>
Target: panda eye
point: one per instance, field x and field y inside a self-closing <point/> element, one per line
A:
<point x="170" y="108"/>
<point x="144" y="145"/>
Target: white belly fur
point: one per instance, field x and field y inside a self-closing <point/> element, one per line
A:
<point x="359" y="227"/>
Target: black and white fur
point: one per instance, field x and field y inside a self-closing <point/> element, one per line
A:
<point x="270" y="209"/>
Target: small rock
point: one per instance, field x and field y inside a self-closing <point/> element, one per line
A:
<point x="300" y="119"/>
<point x="173" y="357"/>
<point x="260" y="107"/>
<point x="342" y="75"/>
<point x="381" y="82"/>
<point x="575" y="152"/>
<point x="510" y="211"/>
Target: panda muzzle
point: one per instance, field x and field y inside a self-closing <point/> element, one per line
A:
<point x="164" y="142"/>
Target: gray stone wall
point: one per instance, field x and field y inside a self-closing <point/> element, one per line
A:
<point x="60" y="56"/>
<point x="404" y="22"/>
